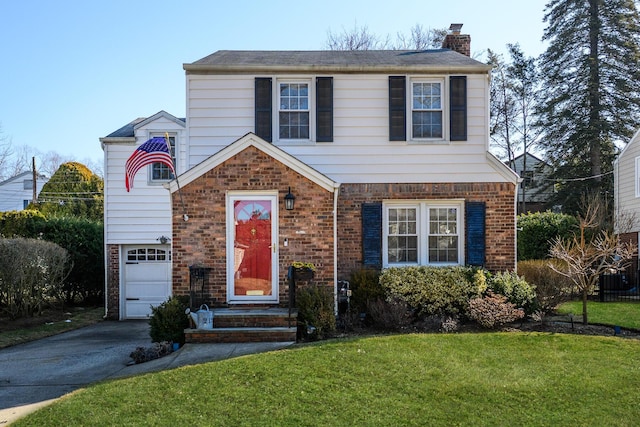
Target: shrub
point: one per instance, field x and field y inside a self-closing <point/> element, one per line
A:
<point x="365" y="288"/>
<point x="82" y="238"/>
<point x="515" y="289"/>
<point x="157" y="350"/>
<point x="552" y="288"/>
<point x="432" y="290"/>
<point x="388" y="315"/>
<point x="315" y="311"/>
<point x="26" y="223"/>
<point x="31" y="275"/>
<point x="537" y="230"/>
<point x="493" y="310"/>
<point x="169" y="320"/>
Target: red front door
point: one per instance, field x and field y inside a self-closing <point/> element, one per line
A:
<point x="254" y="249"/>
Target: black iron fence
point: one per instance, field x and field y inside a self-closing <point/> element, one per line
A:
<point x="619" y="287"/>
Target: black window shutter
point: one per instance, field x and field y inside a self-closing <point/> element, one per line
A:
<point x="458" y="108"/>
<point x="397" y="108"/>
<point x="324" y="109"/>
<point x="263" y="108"/>
<point x="475" y="230"/>
<point x="372" y="235"/>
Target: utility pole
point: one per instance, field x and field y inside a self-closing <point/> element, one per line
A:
<point x="34" y="199"/>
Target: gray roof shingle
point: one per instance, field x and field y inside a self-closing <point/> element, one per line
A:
<point x="335" y="61"/>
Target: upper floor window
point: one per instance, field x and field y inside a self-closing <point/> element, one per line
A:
<point x="426" y="110"/>
<point x="27" y="184"/>
<point x="300" y="111"/>
<point x="160" y="171"/>
<point x="293" y="113"/>
<point x="423" y="109"/>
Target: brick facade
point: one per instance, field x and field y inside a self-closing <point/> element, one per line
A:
<point x="202" y="239"/>
<point x="500" y="217"/>
<point x="113" y="282"/>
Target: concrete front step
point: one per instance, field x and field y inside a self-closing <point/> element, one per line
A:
<point x="239" y="335"/>
<point x="238" y="325"/>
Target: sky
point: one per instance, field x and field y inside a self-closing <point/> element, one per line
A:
<point x="74" y="71"/>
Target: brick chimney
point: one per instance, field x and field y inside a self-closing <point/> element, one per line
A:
<point x="460" y="43"/>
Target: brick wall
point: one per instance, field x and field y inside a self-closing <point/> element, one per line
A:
<point x="113" y="282"/>
<point x="202" y="239"/>
<point x="500" y="217"/>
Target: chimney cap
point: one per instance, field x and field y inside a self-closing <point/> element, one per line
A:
<point x="455" y="28"/>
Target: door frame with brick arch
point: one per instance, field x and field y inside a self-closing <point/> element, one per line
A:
<point x="146" y="279"/>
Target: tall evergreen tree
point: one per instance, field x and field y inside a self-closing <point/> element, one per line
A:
<point x="590" y="91"/>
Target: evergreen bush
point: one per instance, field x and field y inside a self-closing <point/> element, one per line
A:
<point x="169" y="320"/>
<point x="433" y="290"/>
<point x="537" y="230"/>
<point x="316" y="318"/>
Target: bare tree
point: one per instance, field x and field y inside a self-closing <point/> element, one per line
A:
<point x="420" y="38"/>
<point x="587" y="258"/>
<point x="360" y="38"/>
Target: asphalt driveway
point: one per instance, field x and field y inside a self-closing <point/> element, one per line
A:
<point x="52" y="367"/>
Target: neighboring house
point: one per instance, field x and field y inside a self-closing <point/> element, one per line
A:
<point x="626" y="176"/>
<point x="536" y="189"/>
<point x="17" y="192"/>
<point x="385" y="152"/>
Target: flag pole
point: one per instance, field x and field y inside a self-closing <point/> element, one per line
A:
<point x="185" y="217"/>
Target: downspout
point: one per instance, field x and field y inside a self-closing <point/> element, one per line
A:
<point x="336" y="193"/>
<point x="515" y="224"/>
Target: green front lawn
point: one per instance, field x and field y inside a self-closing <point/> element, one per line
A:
<point x="625" y="314"/>
<point x="481" y="379"/>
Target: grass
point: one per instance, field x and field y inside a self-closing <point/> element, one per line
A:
<point x="79" y="319"/>
<point x="625" y="314"/>
<point x="481" y="379"/>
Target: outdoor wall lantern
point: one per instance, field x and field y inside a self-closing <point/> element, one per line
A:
<point x="289" y="200"/>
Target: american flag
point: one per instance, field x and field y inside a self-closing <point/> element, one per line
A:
<point x="155" y="150"/>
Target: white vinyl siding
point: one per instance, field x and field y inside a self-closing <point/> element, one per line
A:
<point x="143" y="214"/>
<point x="220" y="109"/>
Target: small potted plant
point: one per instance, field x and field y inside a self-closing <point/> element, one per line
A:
<point x="303" y="270"/>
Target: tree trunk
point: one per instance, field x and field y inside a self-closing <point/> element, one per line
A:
<point x="584" y="307"/>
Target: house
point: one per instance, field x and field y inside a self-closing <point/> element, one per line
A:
<point x="17" y="192"/>
<point x="626" y="188"/>
<point x="383" y="153"/>
<point x="536" y="189"/>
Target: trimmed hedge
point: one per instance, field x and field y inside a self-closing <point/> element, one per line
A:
<point x="82" y="238"/>
<point x="537" y="230"/>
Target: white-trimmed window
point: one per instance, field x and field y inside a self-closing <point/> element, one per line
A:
<point x="159" y="171"/>
<point x="423" y="233"/>
<point x="293" y="110"/>
<point x="427" y="110"/>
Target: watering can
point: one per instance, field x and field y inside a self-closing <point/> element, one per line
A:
<point x="203" y="318"/>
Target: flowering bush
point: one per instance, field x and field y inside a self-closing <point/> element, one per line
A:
<point x="493" y="310"/>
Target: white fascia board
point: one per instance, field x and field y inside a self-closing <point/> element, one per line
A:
<point x="238" y="146"/>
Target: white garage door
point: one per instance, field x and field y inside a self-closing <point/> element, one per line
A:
<point x="147" y="279"/>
